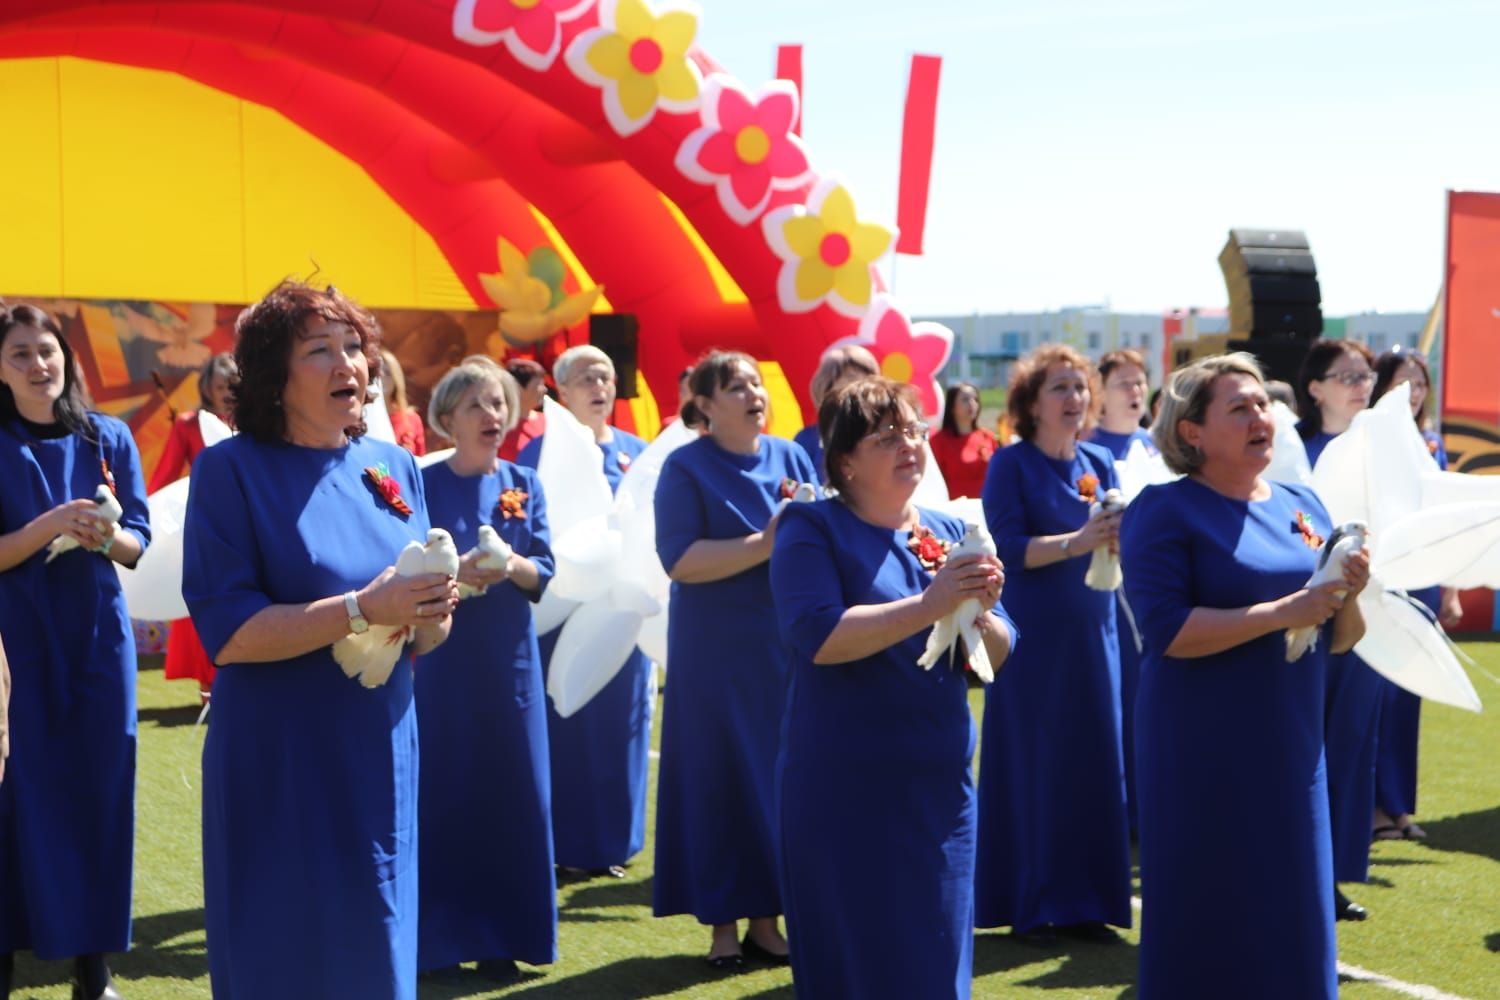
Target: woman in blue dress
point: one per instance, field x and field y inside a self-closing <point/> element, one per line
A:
<point x="1054" y="843"/>
<point x="837" y="367"/>
<point x="599" y="753"/>
<point x="488" y="888"/>
<point x="1400" y="710"/>
<point x="309" y="775"/>
<point x="67" y="806"/>
<point x="716" y="504"/>
<point x="1228" y="731"/>
<point x="1124" y="388"/>
<point x="873" y="774"/>
<point x="1333" y="386"/>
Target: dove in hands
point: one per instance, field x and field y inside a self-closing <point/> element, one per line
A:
<point x="109" y="510"/>
<point x="371" y="655"/>
<point x="1346" y="540"/>
<point x="962" y="622"/>
<point x="1104" y="565"/>
<point x="495" y="554"/>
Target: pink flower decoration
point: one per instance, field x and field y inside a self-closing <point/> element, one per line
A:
<point x="907" y="352"/>
<point x="745" y="147"/>
<point x="530" y="29"/>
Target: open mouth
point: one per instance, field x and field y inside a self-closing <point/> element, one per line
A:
<point x="343" y="394"/>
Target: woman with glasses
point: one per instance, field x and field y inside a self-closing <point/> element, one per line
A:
<point x="961" y="447"/>
<point x="599" y="753"/>
<point x="1400" y="710"/>
<point x="1333" y="386"/>
<point x="874" y="771"/>
<point x="716" y="513"/>
<point x="1054" y="843"/>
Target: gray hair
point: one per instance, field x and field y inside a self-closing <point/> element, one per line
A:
<point x="581" y="356"/>
<point x="832" y="365"/>
<point x="476" y="369"/>
<point x="220" y="364"/>
<point x="1186" y="396"/>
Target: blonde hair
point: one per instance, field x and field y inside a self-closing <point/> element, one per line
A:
<point x="476" y="369"/>
<point x="834" y="363"/>
<point x="396" y="401"/>
<point x="1186" y="396"/>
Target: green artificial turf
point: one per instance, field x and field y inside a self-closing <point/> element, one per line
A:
<point x="1435" y="907"/>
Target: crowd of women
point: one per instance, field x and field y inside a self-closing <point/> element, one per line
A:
<point x="810" y="769"/>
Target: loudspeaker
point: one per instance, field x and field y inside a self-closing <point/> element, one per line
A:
<point x="615" y="335"/>
<point x="1281" y="357"/>
<point x="1273" y="284"/>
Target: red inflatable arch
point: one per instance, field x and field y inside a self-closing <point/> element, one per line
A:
<point x="465" y="111"/>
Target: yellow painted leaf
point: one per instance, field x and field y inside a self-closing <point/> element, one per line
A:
<point x="575" y="307"/>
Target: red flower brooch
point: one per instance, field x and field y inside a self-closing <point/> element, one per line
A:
<point x="1303" y="527"/>
<point x="930" y="550"/>
<point x="512" y="504"/>
<point x="385" y="484"/>
<point x="788" y="488"/>
<point x="1088" y="487"/>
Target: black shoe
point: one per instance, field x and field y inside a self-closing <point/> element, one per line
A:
<point x="91" y="979"/>
<point x="1092" y="931"/>
<point x="755" y="953"/>
<point x="499" y="970"/>
<point x="1345" y="908"/>
<point x="725" y="963"/>
<point x="613" y="871"/>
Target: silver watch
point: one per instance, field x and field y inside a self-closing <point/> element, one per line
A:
<point x="358" y="623"/>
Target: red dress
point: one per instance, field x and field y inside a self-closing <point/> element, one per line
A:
<point x="410" y="434"/>
<point x="963" y="460"/>
<point x="523" y="434"/>
<point x="186" y="658"/>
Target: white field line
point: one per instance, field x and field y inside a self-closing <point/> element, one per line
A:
<point x="1366" y="976"/>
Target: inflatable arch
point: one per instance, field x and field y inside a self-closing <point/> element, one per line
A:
<point x="592" y="126"/>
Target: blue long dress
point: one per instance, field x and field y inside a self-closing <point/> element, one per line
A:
<point x="873" y="774"/>
<point x="1401" y="711"/>
<point x="1054" y="843"/>
<point x="1222" y="742"/>
<point x="599" y="754"/>
<point x="67" y="805"/>
<point x="489" y="888"/>
<point x="715" y="806"/>
<point x="1118" y="446"/>
<point x="309" y="778"/>
<point x="811" y="443"/>
<point x="1352" y="734"/>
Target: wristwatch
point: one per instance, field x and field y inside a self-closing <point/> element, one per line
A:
<point x="358" y="623"/>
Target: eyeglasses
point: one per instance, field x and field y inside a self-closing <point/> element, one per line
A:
<point x="1351" y="379"/>
<point x="890" y="437"/>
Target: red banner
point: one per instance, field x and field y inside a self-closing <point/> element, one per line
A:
<point x="789" y="68"/>
<point x="917" y="132"/>
<point x="1471" y="342"/>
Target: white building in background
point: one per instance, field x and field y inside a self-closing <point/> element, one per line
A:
<point x="984" y="346"/>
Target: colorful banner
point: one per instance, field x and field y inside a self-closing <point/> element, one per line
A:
<point x="1471" y="380"/>
<point x="917" y="131"/>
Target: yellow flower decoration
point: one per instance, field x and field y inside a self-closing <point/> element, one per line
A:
<point x="827" y="252"/>
<point x="640" y="60"/>
<point x="528" y="290"/>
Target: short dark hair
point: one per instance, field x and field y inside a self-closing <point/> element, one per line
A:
<point x="854" y="410"/>
<point x="266" y="332"/>
<point x="524" y="371"/>
<point x="219" y="364"/>
<point x="1386" y="367"/>
<point x="1320" y="357"/>
<point x="713" y="372"/>
<point x="71" y="409"/>
<point x="1026" y="383"/>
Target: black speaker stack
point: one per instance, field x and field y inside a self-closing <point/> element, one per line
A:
<point x="615" y="335"/>
<point x="1275" y="303"/>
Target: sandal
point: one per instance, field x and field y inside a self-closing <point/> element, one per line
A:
<point x="1388" y="831"/>
<point x="1412" y="831"/>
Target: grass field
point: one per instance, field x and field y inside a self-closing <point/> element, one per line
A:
<point x="1435" y="907"/>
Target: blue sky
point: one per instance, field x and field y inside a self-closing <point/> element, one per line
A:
<point x="1098" y="152"/>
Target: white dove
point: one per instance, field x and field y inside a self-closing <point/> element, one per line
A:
<point x="961" y="623"/>
<point x="109" y="510"/>
<point x="1347" y="539"/>
<point x="496" y="554"/>
<point x="1104" y="566"/>
<point x="371" y="655"/>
